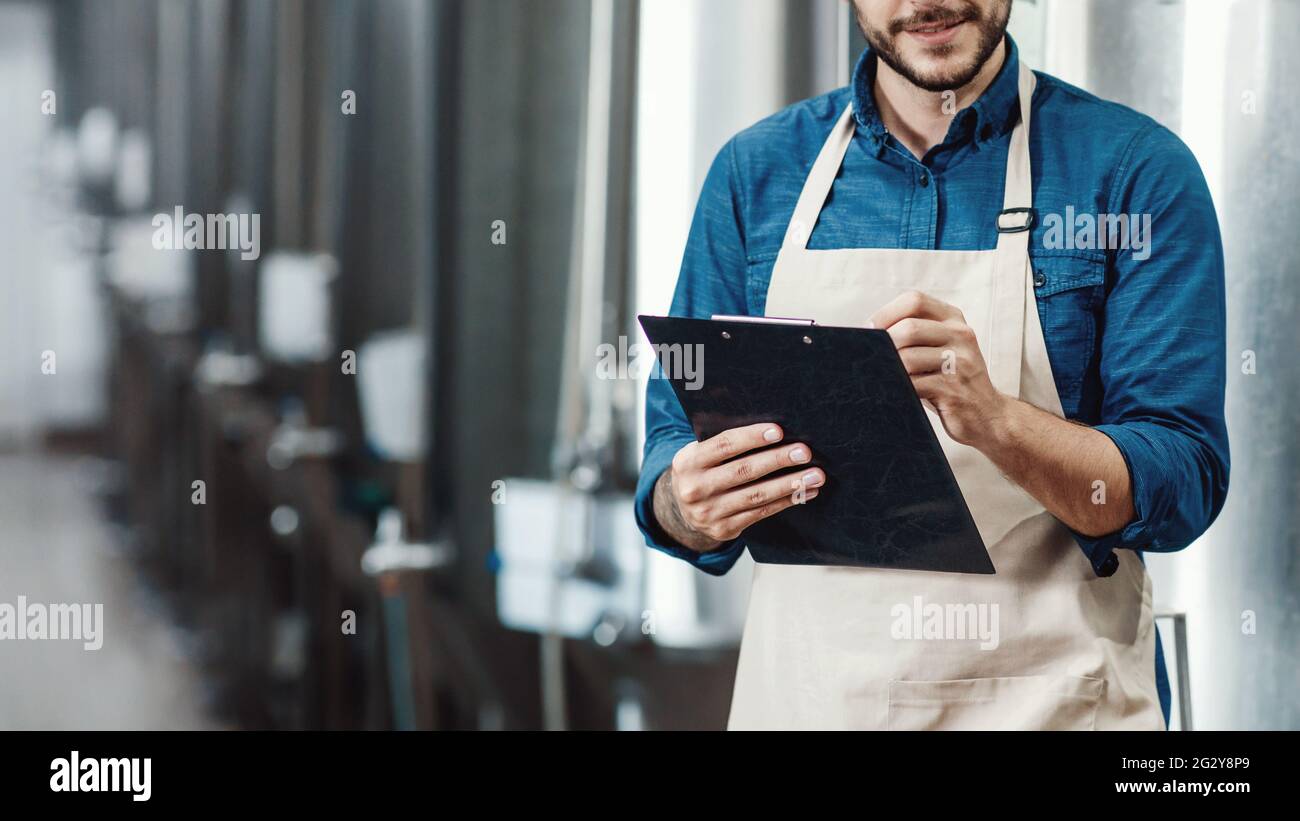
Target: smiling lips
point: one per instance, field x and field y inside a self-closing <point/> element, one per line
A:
<point x="936" y="34"/>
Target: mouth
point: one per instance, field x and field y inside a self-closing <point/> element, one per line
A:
<point x="935" y="34"/>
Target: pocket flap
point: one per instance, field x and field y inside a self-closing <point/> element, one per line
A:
<point x="1065" y="272"/>
<point x="1053" y="702"/>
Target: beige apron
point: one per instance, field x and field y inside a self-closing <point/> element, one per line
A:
<point x="1042" y="644"/>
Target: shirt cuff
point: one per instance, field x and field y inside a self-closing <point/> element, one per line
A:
<point x="715" y="562"/>
<point x="1136" y="535"/>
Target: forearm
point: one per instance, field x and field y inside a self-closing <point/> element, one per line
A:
<point x="1077" y="473"/>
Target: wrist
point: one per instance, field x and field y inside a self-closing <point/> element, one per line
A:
<point x="668" y="517"/>
<point x="1001" y="426"/>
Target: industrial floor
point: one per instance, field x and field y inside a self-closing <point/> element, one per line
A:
<point x="56" y="546"/>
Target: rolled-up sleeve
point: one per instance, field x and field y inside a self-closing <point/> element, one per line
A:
<point x="712" y="281"/>
<point x="1163" y="351"/>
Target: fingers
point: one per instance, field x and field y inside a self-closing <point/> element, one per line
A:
<point x="755" y="466"/>
<point x="927" y="360"/>
<point x="913" y="304"/>
<point x="763" y="493"/>
<point x="913" y="332"/>
<point x="740" y="521"/>
<point x="697" y="485"/>
<point x="730" y="444"/>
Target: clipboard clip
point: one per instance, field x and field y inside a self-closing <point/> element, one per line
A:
<point x="762" y="320"/>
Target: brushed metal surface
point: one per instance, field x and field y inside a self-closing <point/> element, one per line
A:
<point x="1240" y="583"/>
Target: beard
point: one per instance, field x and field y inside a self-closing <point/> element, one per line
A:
<point x="991" y="28"/>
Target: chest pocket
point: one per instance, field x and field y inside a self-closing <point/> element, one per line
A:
<point x="1070" y="290"/>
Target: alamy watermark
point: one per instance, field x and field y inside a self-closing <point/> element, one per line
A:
<point x="953" y="621"/>
<point x="77" y="774"/>
<point x="35" y="621"/>
<point x="635" y="360"/>
<point x="1085" y="232"/>
<point x="207" y="232"/>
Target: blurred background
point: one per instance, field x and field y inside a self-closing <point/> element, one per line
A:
<point x="371" y="477"/>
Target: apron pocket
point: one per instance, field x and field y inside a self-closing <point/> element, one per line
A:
<point x="1014" y="703"/>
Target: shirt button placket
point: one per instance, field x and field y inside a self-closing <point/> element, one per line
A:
<point x="928" y="195"/>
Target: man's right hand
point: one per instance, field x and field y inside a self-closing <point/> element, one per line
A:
<point x="713" y="490"/>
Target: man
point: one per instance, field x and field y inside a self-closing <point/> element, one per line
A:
<point x="1049" y="267"/>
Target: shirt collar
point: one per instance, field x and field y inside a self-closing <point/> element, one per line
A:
<point x="993" y="114"/>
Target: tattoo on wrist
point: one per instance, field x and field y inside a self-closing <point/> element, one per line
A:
<point x="670" y="517"/>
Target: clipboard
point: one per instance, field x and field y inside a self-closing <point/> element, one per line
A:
<point x="890" y="498"/>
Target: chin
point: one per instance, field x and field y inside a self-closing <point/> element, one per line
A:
<point x="941" y="67"/>
<point x="941" y="75"/>
<point x="947" y="57"/>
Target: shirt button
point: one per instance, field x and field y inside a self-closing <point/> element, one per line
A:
<point x="925" y="180"/>
<point x="1110" y="565"/>
<point x="1040" y="279"/>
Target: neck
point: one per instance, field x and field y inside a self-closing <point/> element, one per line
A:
<point x="920" y="119"/>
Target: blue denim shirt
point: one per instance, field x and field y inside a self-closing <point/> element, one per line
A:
<point x="1135" y="335"/>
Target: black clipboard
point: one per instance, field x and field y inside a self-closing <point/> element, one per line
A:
<point x="890" y="499"/>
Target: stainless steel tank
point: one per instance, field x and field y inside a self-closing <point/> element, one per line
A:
<point x="1220" y="74"/>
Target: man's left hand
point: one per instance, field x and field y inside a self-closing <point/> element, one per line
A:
<point x="943" y="358"/>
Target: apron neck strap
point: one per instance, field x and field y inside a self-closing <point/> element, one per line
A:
<point x="1012" y="290"/>
<point x="1019" y="187"/>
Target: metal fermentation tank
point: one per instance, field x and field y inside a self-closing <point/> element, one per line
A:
<point x="1220" y="75"/>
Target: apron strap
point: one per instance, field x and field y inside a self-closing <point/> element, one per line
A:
<point x="1012" y="281"/>
<point x="820" y="179"/>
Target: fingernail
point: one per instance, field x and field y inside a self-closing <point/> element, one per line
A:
<point x="870" y="325"/>
<point x="798" y="455"/>
<point x="812" y="480"/>
<point x="810" y="495"/>
<point x="772" y="435"/>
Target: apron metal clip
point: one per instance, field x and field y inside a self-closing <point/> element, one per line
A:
<point x="1015" y="220"/>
